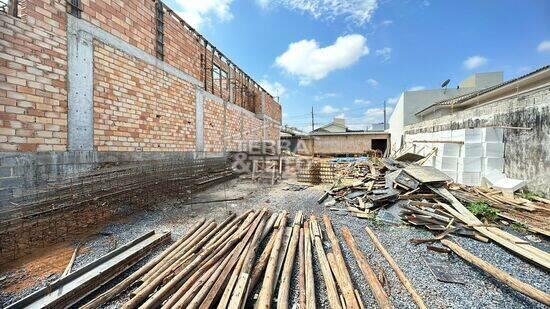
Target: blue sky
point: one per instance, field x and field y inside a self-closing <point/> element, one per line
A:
<point x="345" y="57"/>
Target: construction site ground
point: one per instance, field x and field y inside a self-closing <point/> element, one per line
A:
<point x="477" y="290"/>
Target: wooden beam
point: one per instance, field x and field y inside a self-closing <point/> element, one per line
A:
<point x="404" y="280"/>
<point x="344" y="279"/>
<point x="498" y="274"/>
<point x="377" y="290"/>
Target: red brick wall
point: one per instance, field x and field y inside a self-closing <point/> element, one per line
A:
<point x="128" y="94"/>
<point x="181" y="48"/>
<point x="33" y="69"/>
<point x="139" y="107"/>
<point x="131" y="20"/>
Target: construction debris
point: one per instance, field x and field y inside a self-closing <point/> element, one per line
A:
<point x="431" y="200"/>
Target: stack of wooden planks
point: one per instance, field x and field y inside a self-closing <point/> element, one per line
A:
<point x="220" y="265"/>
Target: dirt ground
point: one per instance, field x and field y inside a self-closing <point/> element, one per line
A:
<point x="476" y="290"/>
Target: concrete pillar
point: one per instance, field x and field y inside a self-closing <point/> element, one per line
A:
<point x="80" y="115"/>
<point x="199" y="119"/>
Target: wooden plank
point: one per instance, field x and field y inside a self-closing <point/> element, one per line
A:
<point x="308" y="255"/>
<point x="526" y="251"/>
<point x="266" y="292"/>
<point x="400" y="274"/>
<point x="302" y="271"/>
<point x="284" y="285"/>
<point x="344" y="279"/>
<point x="500" y="275"/>
<point x="376" y="287"/>
<point x="332" y="290"/>
<point x="426" y="174"/>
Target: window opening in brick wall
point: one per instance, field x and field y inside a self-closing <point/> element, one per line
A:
<point x="74" y="7"/>
<point x="10" y="7"/>
<point x="216" y="79"/>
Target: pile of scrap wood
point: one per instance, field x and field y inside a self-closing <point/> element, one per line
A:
<point x="428" y="198"/>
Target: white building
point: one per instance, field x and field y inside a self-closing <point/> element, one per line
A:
<point x="411" y="102"/>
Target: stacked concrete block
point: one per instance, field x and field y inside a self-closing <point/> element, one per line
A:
<point x="466" y="155"/>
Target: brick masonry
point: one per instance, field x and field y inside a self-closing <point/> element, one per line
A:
<point x="136" y="106"/>
<point x="33" y="67"/>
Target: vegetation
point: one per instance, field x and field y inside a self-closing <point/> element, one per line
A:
<point x="483" y="211"/>
<point x="519" y="227"/>
<point x="528" y="195"/>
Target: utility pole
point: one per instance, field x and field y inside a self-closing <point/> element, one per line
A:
<point x="312" y="120"/>
<point x="384" y="115"/>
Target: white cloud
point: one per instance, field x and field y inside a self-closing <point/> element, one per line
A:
<point x="544" y="46"/>
<point x="310" y="62"/>
<point x="474" y="62"/>
<point x="362" y="101"/>
<point x="416" y="88"/>
<point x="385" y="53"/>
<point x="324" y="96"/>
<point x="198" y="13"/>
<point x="328" y="109"/>
<point x="264" y="4"/>
<point x="373" y="82"/>
<point x="274" y="88"/>
<point x="387" y="22"/>
<point x="356" y="11"/>
<point x="376" y="115"/>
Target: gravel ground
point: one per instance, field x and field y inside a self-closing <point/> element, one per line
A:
<point x="478" y="291"/>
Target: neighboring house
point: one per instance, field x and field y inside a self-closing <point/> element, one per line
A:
<point x="336" y="139"/>
<point x="338" y="125"/>
<point x="410" y="102"/>
<point x="505" y="127"/>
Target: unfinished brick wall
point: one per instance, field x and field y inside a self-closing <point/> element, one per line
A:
<point x="33" y="85"/>
<point x="131" y="20"/>
<point x="139" y="107"/>
<point x="33" y="69"/>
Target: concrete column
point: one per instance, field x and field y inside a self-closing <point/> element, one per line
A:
<point x="199" y="119"/>
<point x="264" y="129"/>
<point x="224" y="140"/>
<point x="80" y="116"/>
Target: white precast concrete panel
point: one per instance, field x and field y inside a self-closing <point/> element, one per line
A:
<point x="469" y="178"/>
<point x="471" y="150"/>
<point x="493" y="150"/>
<point x="472" y="165"/>
<point x="492" y="164"/>
<point x="446" y="163"/>
<point x="449" y="150"/>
